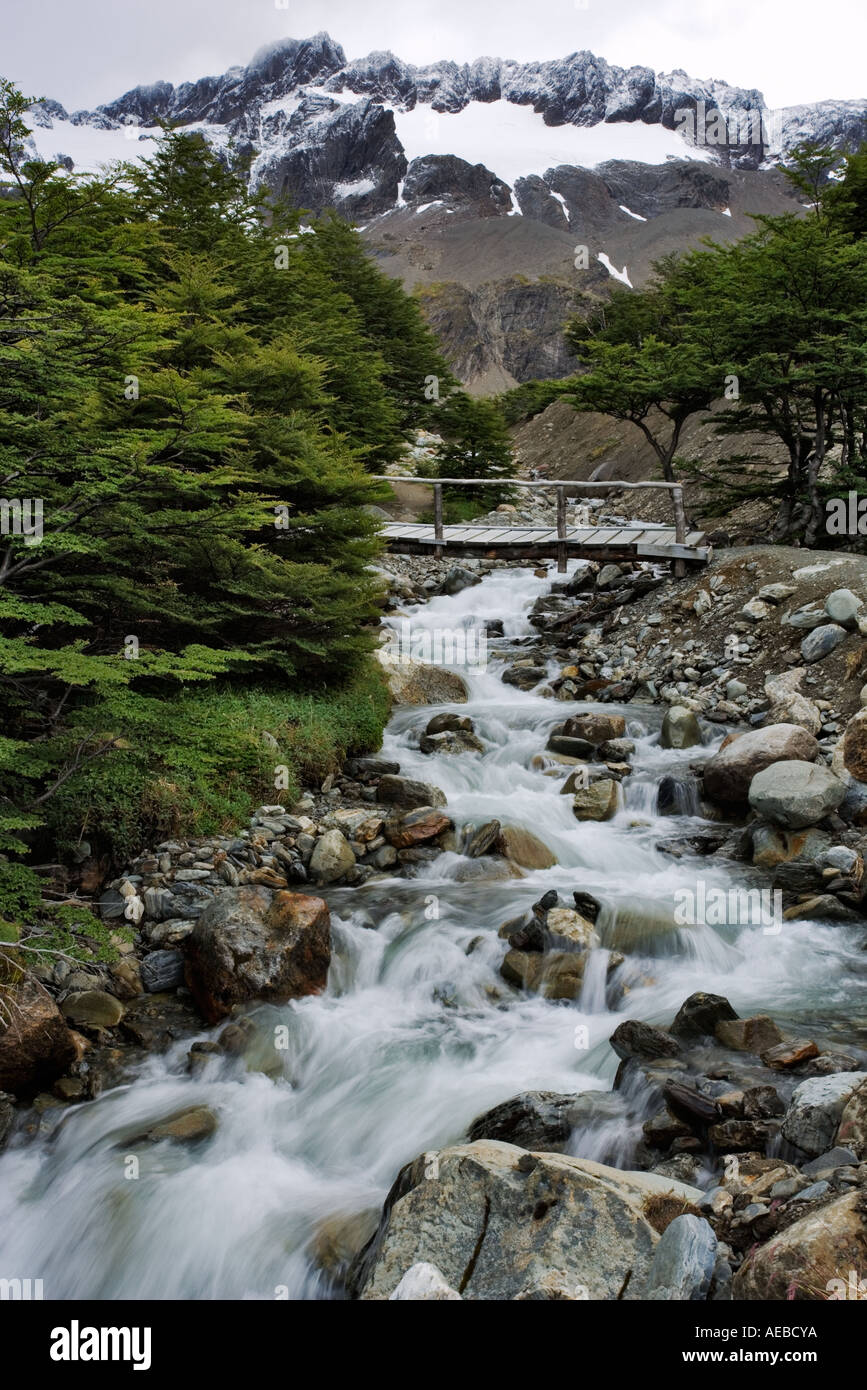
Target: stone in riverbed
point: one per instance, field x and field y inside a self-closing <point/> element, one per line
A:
<point x="788" y="704"/>
<point x="36" y="1046"/>
<point x="524" y="848"/>
<point x="635" y="1039"/>
<point x="524" y="677"/>
<point x="730" y="771"/>
<point x="754" y="1035"/>
<point x="252" y="943"/>
<point x="332" y="857"/>
<point x="554" y="975"/>
<point x="483" y="839"/>
<point x="417" y="828"/>
<point x="570" y="747"/>
<point x="680" y="729"/>
<point x="445" y="724"/>
<point x="405" y="792"/>
<point x="499" y="1222"/>
<point x="544" y="1120"/>
<point x="567" y="930"/>
<point x="699" y="1015"/>
<point x="451" y="743"/>
<point x="92" y="1008"/>
<point x="795" y="794"/>
<point x="596" y="802"/>
<point x="594" y="728"/>
<point x="186" y="1127"/>
<point x="790" y="1054"/>
<point x="816" y="1108"/>
<point x="683" y="1262"/>
<point x="853" y="747"/>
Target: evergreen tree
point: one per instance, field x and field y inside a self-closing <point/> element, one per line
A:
<point x="476" y="444"/>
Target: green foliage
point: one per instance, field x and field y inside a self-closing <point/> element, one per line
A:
<point x="531" y="398"/>
<point x="195" y="394"/>
<point x="476" y="444"/>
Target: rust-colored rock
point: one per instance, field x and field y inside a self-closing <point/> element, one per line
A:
<point x="406" y="835"/>
<point x="36" y="1046"/>
<point x="252" y="943"/>
<point x="789" y="1054"/>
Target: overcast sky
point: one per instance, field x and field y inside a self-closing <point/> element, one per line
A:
<point x="83" y="52"/>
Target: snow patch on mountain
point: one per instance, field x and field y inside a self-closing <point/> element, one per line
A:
<point x="513" y="140"/>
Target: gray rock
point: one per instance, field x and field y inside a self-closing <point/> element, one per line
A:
<point x="458" y="579"/>
<point x="680" y="729"/>
<point x="795" y="794"/>
<point x="821" y="641"/>
<point x="842" y="607"/>
<point x="683" y="1262"/>
<point x="814" y="1112"/>
<point x="837" y="1157"/>
<point x="332" y="858"/>
<point x="729" y="773"/>
<point x="497" y="1221"/>
<point x="424" y="1282"/>
<point x="162" y="970"/>
<point x="92" y="1008"/>
<point x="403" y="791"/>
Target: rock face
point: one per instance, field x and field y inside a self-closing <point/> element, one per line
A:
<point x="800" y="1262"/>
<point x="36" y="1047"/>
<point x="728" y="774"/>
<point x="596" y="802"/>
<point x="795" y="794"/>
<point x="853" y="1123"/>
<point x="524" y="848"/>
<point x="788" y="704"/>
<point x="497" y="1221"/>
<point x="252" y="943"/>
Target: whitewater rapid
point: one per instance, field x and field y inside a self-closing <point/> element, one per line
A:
<point x="416" y="1035"/>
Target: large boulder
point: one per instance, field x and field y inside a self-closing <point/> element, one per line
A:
<point x="497" y="1220"/>
<point x="252" y="943"/>
<point x="680" y="728"/>
<point x="36" y="1046"/>
<point x="795" y="794"/>
<point x="418" y="683"/>
<point x="816" y="1109"/>
<point x="728" y="774"/>
<point x="802" y="1261"/>
<point x="92" y="1008"/>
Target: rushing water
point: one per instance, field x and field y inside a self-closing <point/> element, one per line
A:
<point x="416" y="1034"/>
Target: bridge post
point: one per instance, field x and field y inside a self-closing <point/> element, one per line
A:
<point x="561" y="530"/>
<point x="679" y="529"/>
<point x="438" y="520"/>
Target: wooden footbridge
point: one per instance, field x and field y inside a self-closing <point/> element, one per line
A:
<point x="633" y="540"/>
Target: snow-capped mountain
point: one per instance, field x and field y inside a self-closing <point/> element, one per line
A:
<point x="476" y="183"/>
<point x="328" y="131"/>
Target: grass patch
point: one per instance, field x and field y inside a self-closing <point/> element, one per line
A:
<point x="196" y="764"/>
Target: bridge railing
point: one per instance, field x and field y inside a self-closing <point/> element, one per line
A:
<point x="561" y="486"/>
